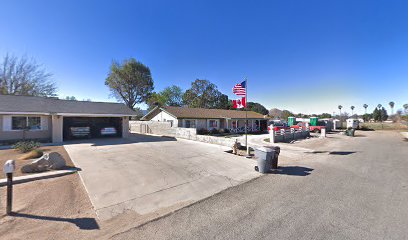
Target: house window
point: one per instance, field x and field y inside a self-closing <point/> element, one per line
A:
<point x="234" y="124"/>
<point x="213" y="123"/>
<point x="189" y="123"/>
<point x="29" y="123"/>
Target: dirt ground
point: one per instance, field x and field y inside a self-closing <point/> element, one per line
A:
<point x="59" y="208"/>
<point x="56" y="208"/>
<point x="15" y="155"/>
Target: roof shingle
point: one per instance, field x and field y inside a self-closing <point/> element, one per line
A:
<point x="31" y="104"/>
<point x="185" y="112"/>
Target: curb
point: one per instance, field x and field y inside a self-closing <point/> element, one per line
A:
<point x="38" y="176"/>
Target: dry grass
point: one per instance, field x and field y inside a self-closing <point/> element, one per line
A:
<point x="31" y="155"/>
<point x="385" y="126"/>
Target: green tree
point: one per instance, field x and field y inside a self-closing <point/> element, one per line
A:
<point x="384" y="114"/>
<point x="72" y="98"/>
<point x="405" y="106"/>
<point x="257" y="107"/>
<point x="204" y="94"/>
<point x="325" y="115"/>
<point x="367" y="117"/>
<point x="352" y="110"/>
<point x="130" y="82"/>
<point x="170" y="96"/>
<point x="173" y="96"/>
<point x="156" y="99"/>
<point x="392" y="104"/>
<point x="376" y="115"/>
<point x="22" y="76"/>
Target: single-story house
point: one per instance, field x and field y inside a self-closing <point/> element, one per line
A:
<point x="201" y="118"/>
<point x="56" y="120"/>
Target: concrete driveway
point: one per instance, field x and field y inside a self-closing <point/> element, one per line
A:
<point x="149" y="174"/>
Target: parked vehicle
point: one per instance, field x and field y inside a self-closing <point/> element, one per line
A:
<point x="80" y="132"/>
<point x="108" y="131"/>
<point x="304" y="125"/>
<point x="277" y="126"/>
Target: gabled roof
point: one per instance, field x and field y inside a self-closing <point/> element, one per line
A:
<point x="186" y="112"/>
<point x="44" y="105"/>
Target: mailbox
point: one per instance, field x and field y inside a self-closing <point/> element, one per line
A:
<point x="9" y="166"/>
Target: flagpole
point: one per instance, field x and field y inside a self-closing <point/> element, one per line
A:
<point x="246" y="115"/>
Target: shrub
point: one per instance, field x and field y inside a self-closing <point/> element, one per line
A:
<point x="26" y="146"/>
<point x="202" y="131"/>
<point x="36" y="153"/>
<point x="214" y="131"/>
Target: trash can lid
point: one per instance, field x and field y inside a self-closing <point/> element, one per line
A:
<point x="264" y="149"/>
<point x="272" y="147"/>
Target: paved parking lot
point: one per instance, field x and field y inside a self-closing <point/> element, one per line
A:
<point x="148" y="174"/>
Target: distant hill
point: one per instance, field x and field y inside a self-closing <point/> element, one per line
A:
<point x="277" y="113"/>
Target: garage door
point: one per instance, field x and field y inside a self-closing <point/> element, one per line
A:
<point x="92" y="127"/>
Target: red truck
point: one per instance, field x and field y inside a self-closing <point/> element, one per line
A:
<point x="277" y="126"/>
<point x="311" y="128"/>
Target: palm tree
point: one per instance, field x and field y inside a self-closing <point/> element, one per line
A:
<point x="392" y="104"/>
<point x="352" y="110"/>
<point x="379" y="106"/>
<point x="340" y="107"/>
<point x="405" y="107"/>
<point x="365" y="106"/>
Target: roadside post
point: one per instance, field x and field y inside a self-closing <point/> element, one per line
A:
<point x="323" y="133"/>
<point x="9" y="168"/>
<point x="272" y="135"/>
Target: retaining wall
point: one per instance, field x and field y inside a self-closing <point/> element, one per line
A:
<point x="288" y="137"/>
<point x="164" y="128"/>
<point x="159" y="128"/>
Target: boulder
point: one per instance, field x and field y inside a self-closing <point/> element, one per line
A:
<point x="56" y="161"/>
<point x="37" y="165"/>
<point x="48" y="161"/>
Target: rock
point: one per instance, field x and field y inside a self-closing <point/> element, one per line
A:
<point x="56" y="161"/>
<point x="49" y="161"/>
<point x="37" y="165"/>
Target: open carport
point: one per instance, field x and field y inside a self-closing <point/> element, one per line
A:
<point x="149" y="175"/>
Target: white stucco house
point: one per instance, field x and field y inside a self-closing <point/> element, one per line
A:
<point x="201" y="118"/>
<point x="55" y="120"/>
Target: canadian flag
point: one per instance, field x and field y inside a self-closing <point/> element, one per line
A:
<point x="239" y="103"/>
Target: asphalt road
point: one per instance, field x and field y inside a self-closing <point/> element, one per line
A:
<point x="349" y="188"/>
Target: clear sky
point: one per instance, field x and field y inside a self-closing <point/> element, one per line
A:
<point x="305" y="56"/>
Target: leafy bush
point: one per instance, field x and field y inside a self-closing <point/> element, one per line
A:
<point x="214" y="131"/>
<point x="26" y="146"/>
<point x="202" y="131"/>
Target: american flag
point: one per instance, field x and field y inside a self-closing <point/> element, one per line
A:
<point x="240" y="89"/>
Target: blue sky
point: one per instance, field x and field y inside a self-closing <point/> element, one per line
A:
<point x="305" y="56"/>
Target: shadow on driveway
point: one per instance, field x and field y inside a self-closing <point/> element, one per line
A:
<point x="332" y="152"/>
<point x="81" y="223"/>
<point x="293" y="171"/>
<point x="133" y="138"/>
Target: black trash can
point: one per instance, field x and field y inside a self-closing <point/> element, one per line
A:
<point x="275" y="156"/>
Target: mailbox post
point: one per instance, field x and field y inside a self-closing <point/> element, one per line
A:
<point x="9" y="168"/>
